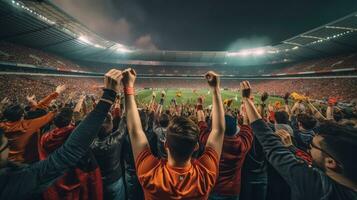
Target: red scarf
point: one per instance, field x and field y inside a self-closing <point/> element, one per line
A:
<point x="75" y="184"/>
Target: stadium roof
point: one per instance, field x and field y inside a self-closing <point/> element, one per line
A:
<point x="42" y="25"/>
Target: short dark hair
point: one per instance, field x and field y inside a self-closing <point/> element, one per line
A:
<point x="281" y="117"/>
<point x="13" y="113"/>
<point x="341" y="142"/>
<point x="182" y="137"/>
<point x="308" y="122"/>
<point x="63" y="118"/>
<point x="164" y="120"/>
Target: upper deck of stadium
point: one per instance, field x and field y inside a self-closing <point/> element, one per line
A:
<point x="42" y="25"/>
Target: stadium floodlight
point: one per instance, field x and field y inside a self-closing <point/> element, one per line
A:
<point x="84" y="39"/>
<point x="123" y="50"/>
<point x="258" y="52"/>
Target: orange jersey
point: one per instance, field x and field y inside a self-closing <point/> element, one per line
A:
<point x="22" y="136"/>
<point x="161" y="181"/>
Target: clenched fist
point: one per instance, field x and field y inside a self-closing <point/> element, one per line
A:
<point x="112" y="80"/>
<point x="212" y="79"/>
<point x="129" y="76"/>
<point x="245" y="89"/>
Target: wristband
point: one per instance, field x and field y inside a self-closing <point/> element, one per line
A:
<point x="129" y="90"/>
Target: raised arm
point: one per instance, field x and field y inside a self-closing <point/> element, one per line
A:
<point x="77" y="109"/>
<point x="316" y="112"/>
<point x="47" y="100"/>
<point x="298" y="175"/>
<point x="215" y="139"/>
<point x="77" y="145"/>
<point x="136" y="133"/>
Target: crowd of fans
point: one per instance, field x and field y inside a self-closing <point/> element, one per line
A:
<point x="24" y="55"/>
<point x="84" y="142"/>
<point x="329" y="63"/>
<point x="17" y="88"/>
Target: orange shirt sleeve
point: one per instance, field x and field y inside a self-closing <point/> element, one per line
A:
<point x="34" y="124"/>
<point x="47" y="100"/>
<point x="145" y="162"/>
<point x="209" y="160"/>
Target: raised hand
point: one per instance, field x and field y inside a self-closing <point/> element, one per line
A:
<point x="245" y="89"/>
<point x="264" y="97"/>
<point x="112" y="79"/>
<point x="129" y="76"/>
<point x="31" y="98"/>
<point x="212" y="79"/>
<point x="60" y="88"/>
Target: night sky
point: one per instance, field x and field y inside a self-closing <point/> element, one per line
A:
<point x="204" y="24"/>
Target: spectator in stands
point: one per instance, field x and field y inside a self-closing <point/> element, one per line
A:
<point x="82" y="182"/>
<point x="160" y="129"/>
<point x="235" y="147"/>
<point x="177" y="177"/>
<point x="332" y="151"/>
<point x="23" y="135"/>
<point x="133" y="188"/>
<point x="303" y="125"/>
<point x="107" y="151"/>
<point x="21" y="182"/>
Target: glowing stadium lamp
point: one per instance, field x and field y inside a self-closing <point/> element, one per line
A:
<point x="84" y="39"/>
<point x="258" y="52"/>
<point x="123" y="50"/>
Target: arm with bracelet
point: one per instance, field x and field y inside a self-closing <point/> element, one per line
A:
<point x="137" y="136"/>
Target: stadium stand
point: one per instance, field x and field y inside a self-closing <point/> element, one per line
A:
<point x="77" y="123"/>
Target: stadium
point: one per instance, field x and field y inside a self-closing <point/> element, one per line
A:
<point x="287" y="133"/>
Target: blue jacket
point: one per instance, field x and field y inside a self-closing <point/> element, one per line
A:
<point x="22" y="182"/>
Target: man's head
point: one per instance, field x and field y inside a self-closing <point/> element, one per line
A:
<point x="107" y="126"/>
<point x="231" y="125"/>
<point x="334" y="149"/>
<point x="306" y="121"/>
<point x="164" y="120"/>
<point x="182" y="138"/>
<point x="281" y="117"/>
<point x="63" y="118"/>
<point x="13" y="113"/>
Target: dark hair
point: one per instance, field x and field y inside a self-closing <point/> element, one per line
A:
<point x="341" y="142"/>
<point x="35" y="114"/>
<point x="13" y="113"/>
<point x="182" y="137"/>
<point x="103" y="132"/>
<point x="338" y="115"/>
<point x="231" y="125"/>
<point x="164" y="120"/>
<point x="307" y="121"/>
<point x="281" y="117"/>
<point x="63" y="118"/>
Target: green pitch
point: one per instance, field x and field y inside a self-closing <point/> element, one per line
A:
<point x="189" y="96"/>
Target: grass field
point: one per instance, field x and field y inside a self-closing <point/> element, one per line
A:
<point x="188" y="96"/>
